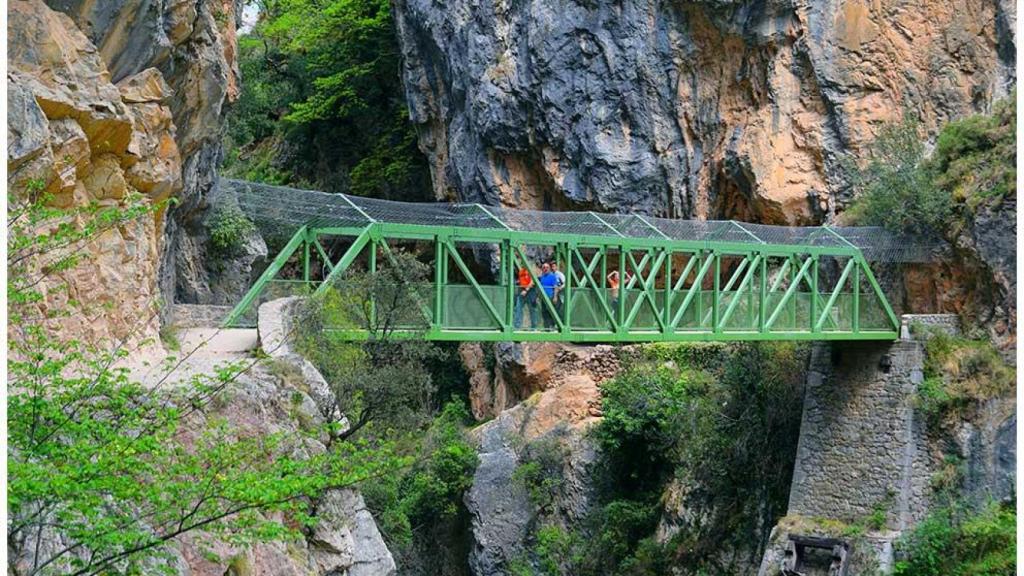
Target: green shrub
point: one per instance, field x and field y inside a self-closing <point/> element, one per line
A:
<point x="959" y="372"/>
<point x="228" y="230"/>
<point x="541" y="471"/>
<point x="429" y="493"/>
<point x="954" y="542"/>
<point x="974" y="157"/>
<point x="896" y="188"/>
<point x="973" y="164"/>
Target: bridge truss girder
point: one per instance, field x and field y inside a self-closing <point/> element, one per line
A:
<point x="675" y="290"/>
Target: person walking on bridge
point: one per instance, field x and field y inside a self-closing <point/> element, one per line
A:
<point x="549" y="283"/>
<point x="526" y="296"/>
<point x="559" y="288"/>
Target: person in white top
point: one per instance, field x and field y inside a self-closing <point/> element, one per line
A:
<point x="558" y="287"/>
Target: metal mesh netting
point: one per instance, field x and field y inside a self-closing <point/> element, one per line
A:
<point x="283" y="209"/>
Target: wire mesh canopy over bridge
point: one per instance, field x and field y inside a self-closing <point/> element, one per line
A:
<point x="623" y="277"/>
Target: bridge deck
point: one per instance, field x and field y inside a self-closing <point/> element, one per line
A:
<point x="684" y="280"/>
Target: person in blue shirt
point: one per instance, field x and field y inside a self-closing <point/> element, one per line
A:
<point x="548" y="282"/>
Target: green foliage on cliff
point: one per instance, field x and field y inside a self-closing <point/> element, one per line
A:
<point x="228" y="229"/>
<point x="973" y="164"/>
<point x="111" y="470"/>
<point x="410" y="507"/>
<point x="955" y="541"/>
<point x="959" y="372"/>
<point x="713" y="421"/>
<point x="322" y="101"/>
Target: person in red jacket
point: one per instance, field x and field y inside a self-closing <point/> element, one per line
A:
<point x="526" y="296"/>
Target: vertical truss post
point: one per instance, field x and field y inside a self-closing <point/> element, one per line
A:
<point x="508" y="267"/>
<point x="763" y="297"/>
<point x="794" y="279"/>
<point x="373" y="272"/>
<point x="306" y="243"/>
<point x="603" y="250"/>
<point x="855" y="321"/>
<point x="566" y="295"/>
<point x="620" y="312"/>
<point x="666" y="311"/>
<point x="700" y="290"/>
<point x="440" y="276"/>
<point x="814" y="295"/>
<point x="716" y="295"/>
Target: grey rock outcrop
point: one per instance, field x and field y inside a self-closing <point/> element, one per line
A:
<point x="740" y="109"/>
<point x="502" y="513"/>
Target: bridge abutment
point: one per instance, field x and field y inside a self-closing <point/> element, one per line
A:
<point x="863" y="468"/>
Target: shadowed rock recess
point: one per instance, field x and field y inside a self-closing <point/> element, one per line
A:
<point x="716" y="109"/>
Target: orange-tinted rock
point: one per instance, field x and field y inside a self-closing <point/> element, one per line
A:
<point x="78" y="135"/>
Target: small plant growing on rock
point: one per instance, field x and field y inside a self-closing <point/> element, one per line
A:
<point x="960" y="372"/>
<point x="541" y="471"/>
<point x="228" y="230"/>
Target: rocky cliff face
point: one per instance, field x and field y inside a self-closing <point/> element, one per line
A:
<point x="193" y="45"/>
<point x="122" y="96"/>
<point x="83" y="138"/>
<point x="716" y="109"/>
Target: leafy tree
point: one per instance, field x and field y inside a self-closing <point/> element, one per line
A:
<point x="323" y="102"/>
<point x="896" y="188"/>
<point x="99" y="463"/>
<point x="384" y="378"/>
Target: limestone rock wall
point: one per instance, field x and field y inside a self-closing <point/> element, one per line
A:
<point x="78" y="135"/>
<point x="711" y="108"/>
<point x="194" y="46"/>
<point x="503" y="374"/>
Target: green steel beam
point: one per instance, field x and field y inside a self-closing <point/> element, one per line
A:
<point x="346" y="260"/>
<point x="453" y="253"/>
<point x="739" y="290"/>
<point x="789" y="293"/>
<point x="600" y="293"/>
<point x="694" y="290"/>
<point x="279" y="261"/>
<point x="835" y="294"/>
<point x="612" y="337"/>
<point x="647" y="288"/>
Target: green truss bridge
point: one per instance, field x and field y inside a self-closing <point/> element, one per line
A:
<point x="682" y="280"/>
